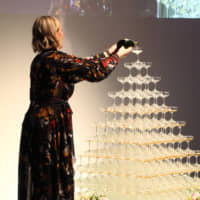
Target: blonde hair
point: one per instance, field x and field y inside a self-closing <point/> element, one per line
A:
<point x="44" y="33"/>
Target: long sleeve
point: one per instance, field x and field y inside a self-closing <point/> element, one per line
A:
<point x="74" y="69"/>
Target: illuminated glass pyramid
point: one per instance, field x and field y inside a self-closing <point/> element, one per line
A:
<point x="139" y="152"/>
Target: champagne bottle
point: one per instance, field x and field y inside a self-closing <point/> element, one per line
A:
<point x="126" y="43"/>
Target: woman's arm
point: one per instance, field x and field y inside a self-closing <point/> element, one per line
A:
<point x="74" y="69"/>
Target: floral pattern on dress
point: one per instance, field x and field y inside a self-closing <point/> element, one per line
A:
<point x="46" y="153"/>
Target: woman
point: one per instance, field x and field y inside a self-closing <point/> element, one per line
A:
<point x="46" y="149"/>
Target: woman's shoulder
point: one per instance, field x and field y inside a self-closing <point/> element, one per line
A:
<point x="52" y="56"/>
<point x="42" y="56"/>
<point x="46" y="55"/>
<point x="53" y="53"/>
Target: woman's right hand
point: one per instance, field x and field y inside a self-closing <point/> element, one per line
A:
<point x="123" y="52"/>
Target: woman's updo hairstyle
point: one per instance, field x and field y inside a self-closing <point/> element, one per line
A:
<point x="44" y="33"/>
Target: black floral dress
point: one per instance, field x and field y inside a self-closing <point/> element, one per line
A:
<point x="46" y="153"/>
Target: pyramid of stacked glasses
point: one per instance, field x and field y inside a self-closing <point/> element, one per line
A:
<point x="139" y="151"/>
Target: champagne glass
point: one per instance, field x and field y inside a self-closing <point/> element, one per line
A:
<point x="180" y="125"/>
<point x="130" y="79"/>
<point x="122" y="80"/>
<point x="129" y="66"/>
<point x="147" y="81"/>
<point x="197" y="154"/>
<point x="113" y="95"/>
<point x="139" y="83"/>
<point x="172" y="110"/>
<point x="165" y="94"/>
<point x="155" y="80"/>
<point x="147" y="66"/>
<point x="156" y="94"/>
<point x="137" y="51"/>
